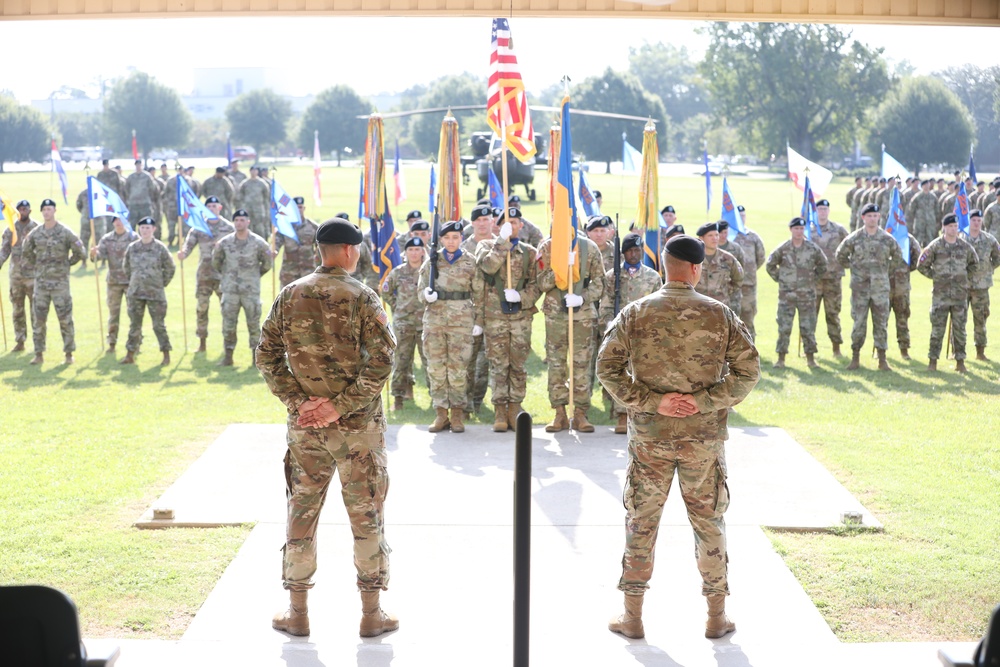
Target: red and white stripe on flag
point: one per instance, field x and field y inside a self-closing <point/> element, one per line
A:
<point x="510" y="108"/>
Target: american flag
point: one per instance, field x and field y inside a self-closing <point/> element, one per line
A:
<point x="512" y="109"/>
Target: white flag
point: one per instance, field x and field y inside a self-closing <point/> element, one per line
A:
<point x="819" y="176"/>
<point x="891" y="167"/>
<point x="317" y="190"/>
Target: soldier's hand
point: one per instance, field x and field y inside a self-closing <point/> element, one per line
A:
<point x="93" y="253"/>
<point x="477" y="330"/>
<point x="506" y="230"/>
<point x="512" y="296"/>
<point x="430" y="296"/>
<point x="676" y="404"/>
<point x="573" y="300"/>
<point x="181" y="255"/>
<point x="311" y="404"/>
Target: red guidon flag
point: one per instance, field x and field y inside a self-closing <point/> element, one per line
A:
<point x="506" y="101"/>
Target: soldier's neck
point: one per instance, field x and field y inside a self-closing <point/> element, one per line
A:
<point x="49" y="224"/>
<point x="243" y="235"/>
<point x="710" y="251"/>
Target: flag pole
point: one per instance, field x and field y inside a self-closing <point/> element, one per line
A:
<point x="97" y="279"/>
<point x="3" y="320"/>
<point x="274" y="234"/>
<point x="180" y="228"/>
<point x="569" y="360"/>
<point x="503" y="168"/>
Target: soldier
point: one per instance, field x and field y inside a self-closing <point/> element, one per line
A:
<point x="400" y="290"/>
<point x="722" y="275"/>
<point x="140" y="192"/>
<point x="477" y="378"/>
<point x="111" y="248"/>
<point x="731" y="248"/>
<point x="797" y="265"/>
<point x="21" y="274"/>
<point x="481" y="228"/>
<point x="830" y="289"/>
<point x="584" y="300"/>
<point x="300" y="256"/>
<point x="635" y="280"/>
<point x="221" y="187"/>
<point x="365" y="270"/>
<point x="859" y="183"/>
<point x="951" y="263"/>
<point x="208" y="280"/>
<point x="921" y="214"/>
<point x="946" y="204"/>
<point x="506" y="309"/>
<point x="149" y="268"/>
<point x="164" y="172"/>
<point x="899" y="294"/>
<point x="601" y="230"/>
<point x="330" y="379"/>
<point x="192" y="181"/>
<point x="254" y="196"/>
<point x="241" y="258"/>
<point x="664" y="358"/>
<point x="988" y="251"/>
<point x="530" y="233"/>
<point x="450" y="324"/>
<point x="669" y="215"/>
<point x="168" y="203"/>
<point x="869" y="252"/>
<point x="753" y="254"/>
<point x="83" y="206"/>
<point x="912" y="188"/>
<point x="235" y="175"/>
<point x="885" y="199"/>
<point x="991" y="218"/>
<point x="157" y="206"/>
<point x="113" y="180"/>
<point x="50" y="249"/>
<point x="859" y="202"/>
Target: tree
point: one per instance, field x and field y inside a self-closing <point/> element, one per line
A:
<point x="923" y="122"/>
<point x="672" y="74"/>
<point x="806" y="84"/>
<point x="24" y="134"/>
<point x="449" y="91"/>
<point x="974" y="86"/>
<point x="334" y="113"/>
<point x="79" y="129"/>
<point x="259" y="117"/>
<point x="139" y="102"/>
<point x="617" y="92"/>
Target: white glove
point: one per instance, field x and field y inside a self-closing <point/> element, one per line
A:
<point x="506" y="230"/>
<point x="430" y="296"/>
<point x="574" y="300"/>
<point x="511" y="296"/>
<point x="572" y="258"/>
<point x="477" y="330"/>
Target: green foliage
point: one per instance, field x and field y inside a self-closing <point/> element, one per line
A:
<point x="259" y="117"/>
<point x="974" y="86"/>
<point x="449" y="91"/>
<point x="671" y="73"/>
<point x="805" y="84"/>
<point x="139" y="102"/>
<point x="334" y="113"/>
<point x="80" y="129"/>
<point x="24" y="133"/>
<point x="922" y="122"/>
<point x="208" y="138"/>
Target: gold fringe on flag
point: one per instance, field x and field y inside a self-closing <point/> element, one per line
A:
<point x="449" y="168"/>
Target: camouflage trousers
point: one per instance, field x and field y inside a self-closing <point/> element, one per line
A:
<point x="139" y="210"/>
<point x="748" y="307"/>
<point x="21" y="290"/>
<point x="171" y="216"/>
<point x="203" y="292"/>
<point x="556" y="352"/>
<point x="899" y="304"/>
<point x="979" y="300"/>
<point x="260" y="223"/>
<point x="231" y="304"/>
<point x="114" y="294"/>
<point x="157" y="312"/>
<point x="830" y="296"/>
<point x="407" y="339"/>
<point x="805" y="304"/>
<point x="861" y="303"/>
<point x="508" y="342"/>
<point x="61" y="299"/>
<point x="701" y="472"/>
<point x="312" y="459"/>
<point x="939" y="325"/>
<point x="478" y="374"/>
<point x="448" y="351"/>
<point x="101" y="224"/>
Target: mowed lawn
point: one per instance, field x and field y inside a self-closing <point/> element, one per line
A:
<point x="86" y="448"/>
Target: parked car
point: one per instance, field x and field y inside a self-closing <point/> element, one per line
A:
<point x="163" y="154"/>
<point x="248" y="153"/>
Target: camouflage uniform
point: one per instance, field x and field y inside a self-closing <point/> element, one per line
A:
<point x="207" y="280"/>
<point x="722" y="279"/>
<point x="991" y="218"/>
<point x="831" y="283"/>
<point x="300" y="258"/>
<point x="677" y="341"/>
<point x="168" y="202"/>
<point x="221" y="187"/>
<point x="255" y="196"/>
<point x="530" y="233"/>
<point x="149" y="268"/>
<point x="884" y="201"/>
<point x="921" y="217"/>
<point x="83" y="206"/>
<point x="869" y="257"/>
<point x="113" y="180"/>
<point x="327" y="336"/>
<point x="51" y="252"/>
<point x="988" y="251"/>
<point x="22" y="278"/>
<point x="478" y="375"/>
<point x="365" y="270"/>
<point x="591" y="288"/>
<point x="754" y="257"/>
<point x="140" y="193"/>
<point x="951" y="266"/>
<point x="400" y="292"/>
<point x="237" y="177"/>
<point x="448" y="322"/>
<point x="241" y="262"/>
<point x="112" y="247"/>
<point x="798" y="272"/>
<point x="158" y="204"/>
<point x="899" y="292"/>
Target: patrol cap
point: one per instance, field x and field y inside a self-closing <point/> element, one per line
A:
<point x="338" y="230"/>
<point x="598" y="222"/>
<point x="220" y="170"/>
<point x="511" y="212"/>
<point x="412" y="215"/>
<point x="453" y="226"/>
<point x="47" y="202"/>
<point x="631" y="241"/>
<point x="975" y="213"/>
<point x="796" y="222"/>
<point x="708" y="227"/>
<point x="686" y="248"/>
<point x="869" y="208"/>
<point x="482" y="212"/>
<point x="823" y="202"/>
<point x="212" y="200"/>
<point x="301" y="201"/>
<point x="146" y="221"/>
<point x="673" y="230"/>
<point x="421" y="226"/>
<point x="415" y="242"/>
<point x="950" y="219"/>
<point x="23" y="202"/>
<point x="343" y="216"/>
<point x="722" y="225"/>
<point x="667" y="209"/>
<point x="240" y="213"/>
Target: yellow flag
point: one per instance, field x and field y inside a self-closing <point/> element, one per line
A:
<point x="10" y="216"/>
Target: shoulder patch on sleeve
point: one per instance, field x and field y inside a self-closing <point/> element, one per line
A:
<point x="382" y="318"/>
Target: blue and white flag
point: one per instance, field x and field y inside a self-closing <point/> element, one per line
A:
<point x="729" y="212"/>
<point x="809" y="211"/>
<point x="57" y="166"/>
<point x="587" y="199"/>
<point x="229" y="151"/>
<point x="972" y="167"/>
<point x="284" y="212"/>
<point x="191" y="210"/>
<point x="105" y="201"/>
<point x="895" y="225"/>
<point x="962" y="208"/>
<point x="496" y="190"/>
<point x="708" y="183"/>
<point x="631" y="157"/>
<point x="891" y="167"/>
<point x="432" y="192"/>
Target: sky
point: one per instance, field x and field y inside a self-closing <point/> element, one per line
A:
<point x="384" y="55"/>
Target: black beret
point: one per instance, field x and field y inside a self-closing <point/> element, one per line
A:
<point x="415" y="242"/>
<point x="212" y="200"/>
<point x="739" y="207"/>
<point x="220" y="170"/>
<point x="481" y="212"/>
<point x="453" y="226"/>
<point x="597" y="194"/>
<point x="980" y="183"/>
<point x="598" y="221"/>
<point x="513" y="199"/>
<point x="796" y="222"/>
<point x="950" y="219"/>
<point x="497" y="211"/>
<point x="421" y="226"/>
<point x="263" y="168"/>
<point x="301" y="201"/>
<point x="996" y="183"/>
<point x="189" y="168"/>
<point x="686" y="248"/>
<point x="672" y="230"/>
<point x="47" y="202"/>
<point x="707" y="227"/>
<point x="667" y="209"/>
<point x="179" y="168"/>
<point x="926" y="181"/>
<point x="485" y="201"/>
<point x="512" y="212"/>
<point x="338" y="230"/>
<point x="140" y="162"/>
<point x="722" y="225"/>
<point x="823" y="202"/>
<point x="23" y="202"/>
<point x="869" y="208"/>
<point x="147" y="221"/>
<point x="975" y="213"/>
<point x="414" y="214"/>
<point x="343" y="216"/>
<point x="631" y="241"/>
<point x="240" y="213"/>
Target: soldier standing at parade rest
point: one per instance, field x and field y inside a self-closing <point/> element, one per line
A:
<point x="829" y="293"/>
<point x="234" y="173"/>
<point x="50" y="249"/>
<point x="754" y="257"/>
<point x="326" y="352"/>
<point x="600" y="229"/>
<point x="450" y="324"/>
<point x="988" y="251"/>
<point x="530" y="232"/>
<point x="899" y="295"/>
<point x="208" y="281"/>
<point x="140" y="192"/>
<point x="921" y="214"/>
<point x="220" y="186"/>
<point x="83" y="206"/>
<point x="859" y="184"/>
<point x="506" y="310"/>
<point x="168" y="202"/>
<point x="113" y="179"/>
<point x="111" y="248"/>
<point x="991" y="214"/>
<point x="664" y="358"/>
<point x="797" y="265"/>
<point x="300" y="258"/>
<point x="254" y="196"/>
<point x="21" y="274"/>
<point x="149" y="268"/>
<point x="635" y="280"/>
<point x="669" y="216"/>
<point x="869" y="252"/>
<point x="951" y="263"/>
<point x="400" y="290"/>
<point x="478" y="375"/>
<point x="241" y="258"/>
<point x="192" y="181"/>
<point x="157" y="199"/>
<point x="722" y="275"/>
<point x="365" y="270"/>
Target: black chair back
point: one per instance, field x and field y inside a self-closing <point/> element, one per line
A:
<point x="38" y="628"/>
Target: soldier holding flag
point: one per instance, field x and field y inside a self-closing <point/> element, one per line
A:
<point x="149" y="268"/>
<point x="208" y="279"/>
<point x="111" y="248"/>
<point x="21" y="274"/>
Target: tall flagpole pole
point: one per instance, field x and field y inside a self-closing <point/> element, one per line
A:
<point x="3" y="319"/>
<point x="97" y="279"/>
<point x="184" y="321"/>
<point x="274" y="234"/>
<point x="503" y="168"/>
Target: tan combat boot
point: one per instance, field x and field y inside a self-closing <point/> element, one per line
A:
<point x="111" y="349"/>
<point x="20" y="347"/>
<point x="166" y="358"/>
<point x="836" y="350"/>
<point x="718" y="624"/>
<point x="811" y="360"/>
<point x="374" y="621"/>
<point x="622" y="425"/>
<point x="38" y="359"/>
<point x="780" y="363"/>
<point x="228" y="359"/>
<point x="980" y="352"/>
<point x="560" y="422"/>
<point x="960" y="366"/>
<point x="397" y="403"/>
<point x="932" y="365"/>
<point x="580" y="422"/>
<point x="629" y="623"/>
<point x="513" y="410"/>
<point x="409" y="392"/>
<point x="295" y="620"/>
<point x="883" y="365"/>
<point x="904" y="352"/>
<point x="500" y="417"/>
<point x="440" y="421"/>
<point x="70" y="359"/>
<point x="129" y="358"/>
<point x="201" y="345"/>
<point x="457" y="426"/>
<point x="855" y="361"/>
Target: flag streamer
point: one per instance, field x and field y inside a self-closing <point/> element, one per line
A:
<point x="647" y="216"/>
<point x="564" y="220"/>
<point x="373" y="191"/>
<point x="449" y="171"/>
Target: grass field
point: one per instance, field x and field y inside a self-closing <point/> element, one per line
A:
<point x="86" y="448"/>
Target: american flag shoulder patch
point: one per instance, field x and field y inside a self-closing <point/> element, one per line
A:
<point x="382" y="318"/>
